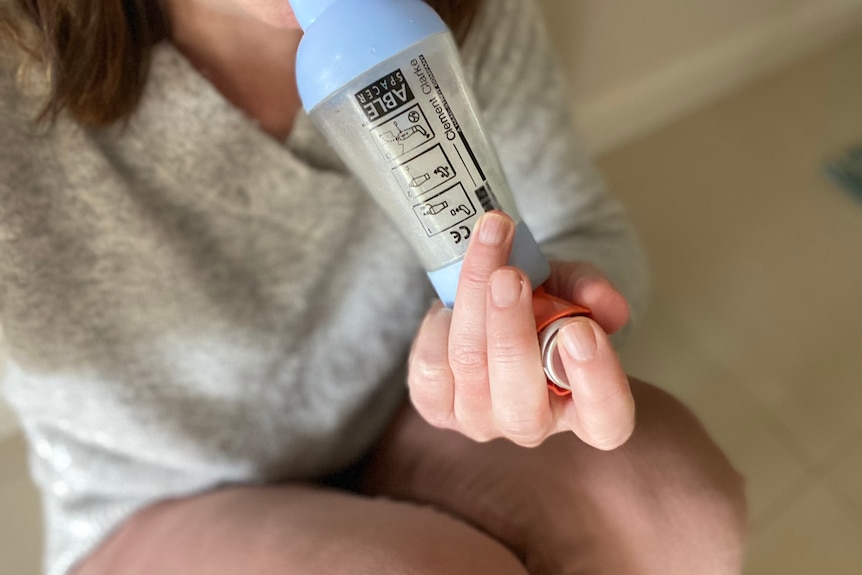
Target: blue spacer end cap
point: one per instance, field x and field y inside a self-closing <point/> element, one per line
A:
<point x="307" y="11"/>
<point x="525" y="256"/>
<point x="445" y="282"/>
<point x="351" y="37"/>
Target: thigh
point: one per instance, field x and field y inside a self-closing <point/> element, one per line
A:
<point x="668" y="502"/>
<point x="296" y="530"/>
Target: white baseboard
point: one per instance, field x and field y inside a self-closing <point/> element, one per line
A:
<point x="663" y="95"/>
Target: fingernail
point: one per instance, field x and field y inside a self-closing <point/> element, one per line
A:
<point x="493" y="229"/>
<point x="579" y="339"/>
<point x="506" y="286"/>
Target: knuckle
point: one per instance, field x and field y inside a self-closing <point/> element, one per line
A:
<point x="436" y="417"/>
<point x="523" y="430"/>
<point x="475" y="276"/>
<point x="468" y="362"/>
<point x="528" y="441"/>
<point x="626" y="309"/>
<point x="481" y="435"/>
<point x="599" y="395"/>
<point x="604" y="437"/>
<point x="426" y="371"/>
<point x="428" y="383"/>
<point x="607" y="442"/>
<point x="433" y="412"/>
<point x="507" y="350"/>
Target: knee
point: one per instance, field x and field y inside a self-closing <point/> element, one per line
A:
<point x="422" y="541"/>
<point x="671" y="493"/>
<point x="704" y="493"/>
<point x="667" y="502"/>
<point x="683" y="466"/>
<point x="292" y="530"/>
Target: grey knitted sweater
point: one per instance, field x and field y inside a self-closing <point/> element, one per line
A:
<point x="189" y="303"/>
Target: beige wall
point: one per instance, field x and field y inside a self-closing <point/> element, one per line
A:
<point x="606" y="42"/>
<point x="638" y="49"/>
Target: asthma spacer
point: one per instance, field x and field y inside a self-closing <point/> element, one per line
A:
<point x="382" y="80"/>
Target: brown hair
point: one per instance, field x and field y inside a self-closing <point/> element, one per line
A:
<point x="97" y="52"/>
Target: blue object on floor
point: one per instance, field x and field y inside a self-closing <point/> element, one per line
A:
<point x="846" y="171"/>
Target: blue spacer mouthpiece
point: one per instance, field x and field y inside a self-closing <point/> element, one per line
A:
<point x="307" y="11"/>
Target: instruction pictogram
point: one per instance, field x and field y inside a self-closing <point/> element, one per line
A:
<point x="403" y="133"/>
<point x="425" y="172"/>
<point x="445" y="210"/>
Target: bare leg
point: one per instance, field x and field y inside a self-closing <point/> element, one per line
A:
<point x="295" y="530"/>
<point x="666" y="503"/>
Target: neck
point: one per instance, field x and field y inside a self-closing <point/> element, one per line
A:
<point x="251" y="63"/>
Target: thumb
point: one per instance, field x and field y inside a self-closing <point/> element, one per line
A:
<point x="602" y="410"/>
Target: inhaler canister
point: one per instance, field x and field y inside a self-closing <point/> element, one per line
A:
<point x="382" y="80"/>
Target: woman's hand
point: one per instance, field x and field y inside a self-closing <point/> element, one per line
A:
<point x="478" y="369"/>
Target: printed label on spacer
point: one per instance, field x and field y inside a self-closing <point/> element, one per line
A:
<point x="412" y="123"/>
<point x="384" y="96"/>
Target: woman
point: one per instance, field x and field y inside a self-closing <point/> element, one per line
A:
<point x="209" y="323"/>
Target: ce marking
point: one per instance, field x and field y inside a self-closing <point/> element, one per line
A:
<point x="461" y="234"/>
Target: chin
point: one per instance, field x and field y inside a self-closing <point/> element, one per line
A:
<point x="276" y="13"/>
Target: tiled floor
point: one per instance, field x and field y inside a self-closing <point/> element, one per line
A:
<point x="20" y="515"/>
<point x="757" y="314"/>
<point x="756" y="319"/>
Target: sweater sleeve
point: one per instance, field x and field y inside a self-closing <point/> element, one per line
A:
<point x="523" y="98"/>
